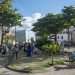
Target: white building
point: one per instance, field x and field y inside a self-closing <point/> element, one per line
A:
<point x="63" y="37"/>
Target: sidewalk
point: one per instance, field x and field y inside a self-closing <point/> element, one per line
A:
<point x="50" y="71"/>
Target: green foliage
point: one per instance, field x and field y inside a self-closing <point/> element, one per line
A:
<point x="50" y="24"/>
<point x="43" y="40"/>
<point x="47" y="64"/>
<point x="8" y="16"/>
<point x="59" y="62"/>
<point x="51" y="48"/>
<point x="69" y="16"/>
<point x="5" y="5"/>
<point x="55" y="23"/>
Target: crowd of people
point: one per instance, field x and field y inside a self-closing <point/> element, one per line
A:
<point x="28" y="48"/>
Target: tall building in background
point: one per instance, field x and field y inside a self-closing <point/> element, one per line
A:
<point x="20" y="36"/>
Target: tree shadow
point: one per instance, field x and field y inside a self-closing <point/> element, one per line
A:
<point x="69" y="66"/>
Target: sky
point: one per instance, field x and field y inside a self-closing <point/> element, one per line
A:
<point x="35" y="9"/>
<point x="28" y="7"/>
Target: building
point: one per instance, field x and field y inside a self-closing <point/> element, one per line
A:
<point x="20" y="36"/>
<point x="65" y="37"/>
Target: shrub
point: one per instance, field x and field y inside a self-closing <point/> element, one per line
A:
<point x="48" y="64"/>
<point x="60" y="62"/>
<point x="51" y="48"/>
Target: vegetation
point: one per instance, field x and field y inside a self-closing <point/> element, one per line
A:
<point x="35" y="65"/>
<point x="51" y="49"/>
<point x="8" y="16"/>
<point x="69" y="18"/>
<point x="52" y="24"/>
<point x="55" y="23"/>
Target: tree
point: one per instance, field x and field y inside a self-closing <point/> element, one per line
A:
<point x="50" y="24"/>
<point x="51" y="49"/>
<point x="69" y="18"/>
<point x="8" y="16"/>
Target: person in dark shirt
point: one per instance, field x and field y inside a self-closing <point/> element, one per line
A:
<point x="29" y="50"/>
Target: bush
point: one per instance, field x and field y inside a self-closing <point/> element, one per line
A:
<point x="51" y="48"/>
<point x="48" y="64"/>
<point x="42" y="41"/>
<point x="60" y="62"/>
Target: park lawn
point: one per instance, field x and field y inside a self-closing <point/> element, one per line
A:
<point x="32" y="64"/>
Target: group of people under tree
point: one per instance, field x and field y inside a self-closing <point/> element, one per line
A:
<point x="28" y="48"/>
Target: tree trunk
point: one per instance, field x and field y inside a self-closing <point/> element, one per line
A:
<point x="2" y="36"/>
<point x="52" y="59"/>
<point x="55" y="39"/>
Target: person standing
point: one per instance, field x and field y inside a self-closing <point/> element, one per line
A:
<point x="16" y="51"/>
<point x="29" y="50"/>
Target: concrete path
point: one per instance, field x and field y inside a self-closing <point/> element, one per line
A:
<point x="51" y="71"/>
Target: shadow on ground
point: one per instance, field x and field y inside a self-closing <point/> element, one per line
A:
<point x="60" y="67"/>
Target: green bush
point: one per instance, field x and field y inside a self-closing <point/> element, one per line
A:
<point x="47" y="64"/>
<point x="51" y="48"/>
<point x="42" y="41"/>
<point x="60" y="62"/>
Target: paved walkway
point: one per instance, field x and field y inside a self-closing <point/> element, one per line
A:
<point x="51" y="71"/>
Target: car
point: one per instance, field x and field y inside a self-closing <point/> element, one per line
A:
<point x="72" y="56"/>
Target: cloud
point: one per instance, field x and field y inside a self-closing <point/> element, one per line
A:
<point x="36" y="16"/>
<point x="28" y="21"/>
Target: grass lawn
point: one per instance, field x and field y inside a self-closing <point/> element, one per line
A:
<point x="33" y="64"/>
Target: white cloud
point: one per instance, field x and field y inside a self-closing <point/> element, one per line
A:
<point x="36" y="16"/>
<point x="27" y="23"/>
